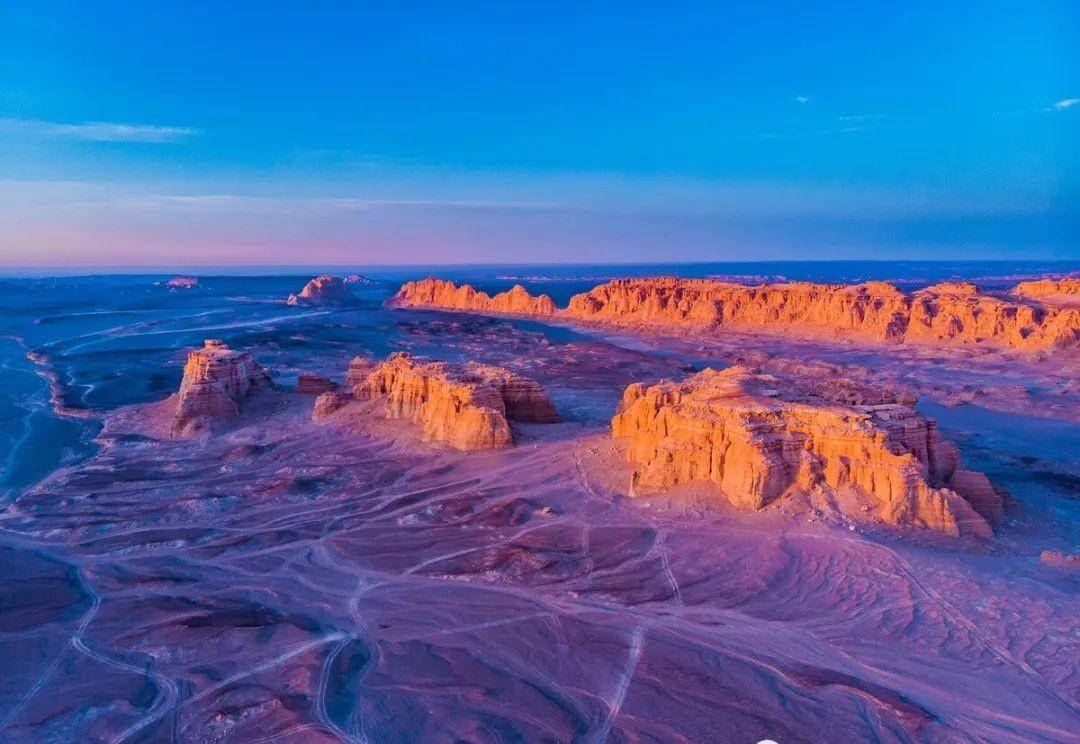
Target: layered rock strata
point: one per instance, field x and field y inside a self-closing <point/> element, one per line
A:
<point x="1051" y="291"/>
<point x="466" y="406"/>
<point x="759" y="437"/>
<point x="359" y="368"/>
<point x="215" y="379"/>
<point x="446" y="295"/>
<point x="309" y="384"/>
<point x="947" y="314"/>
<point x="323" y="290"/>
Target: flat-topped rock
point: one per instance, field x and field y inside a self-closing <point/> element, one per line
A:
<point x="945" y="314"/>
<point x="759" y="437"/>
<point x="309" y="384"/>
<point x="215" y="379"/>
<point x="323" y="290"/>
<point x="329" y="402"/>
<point x="1062" y="292"/>
<point x="467" y="406"/>
<point x="446" y="295"/>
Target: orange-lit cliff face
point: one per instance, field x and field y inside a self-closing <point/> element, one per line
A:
<point x="215" y="379"/>
<point x="759" y="437"/>
<point x="1064" y="292"/>
<point x="945" y="314"/>
<point x="466" y="406"/>
<point x="438" y="293"/>
<point x="323" y="290"/>
<point x="948" y="314"/>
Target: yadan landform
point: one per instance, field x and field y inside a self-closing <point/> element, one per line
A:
<point x="667" y="510"/>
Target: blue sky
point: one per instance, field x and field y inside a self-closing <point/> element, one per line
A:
<point x="137" y="134"/>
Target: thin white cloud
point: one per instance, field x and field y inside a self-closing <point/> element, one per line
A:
<point x="96" y="131"/>
<point x="803" y="99"/>
<point x="1065" y="103"/>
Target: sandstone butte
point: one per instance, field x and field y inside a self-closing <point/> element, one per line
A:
<point x="441" y="294"/>
<point x="323" y="290"/>
<point x="215" y="379"/>
<point x="467" y="406"/>
<point x="946" y="314"/>
<point x="1051" y="291"/>
<point x="759" y="437"/>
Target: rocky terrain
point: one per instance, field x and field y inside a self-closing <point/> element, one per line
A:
<point x="323" y="290"/>
<point x="438" y="293"/>
<point x="467" y="406"/>
<point x="182" y="282"/>
<point x="760" y="437"/>
<point x="215" y="379"/>
<point x="946" y="314"/>
<point x="1064" y="292"/>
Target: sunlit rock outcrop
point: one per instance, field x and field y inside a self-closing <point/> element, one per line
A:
<point x="466" y="406"/>
<point x="323" y="290"/>
<point x="1051" y="291"/>
<point x="446" y="295"/>
<point x="215" y="379"/>
<point x="945" y="314"/>
<point x="759" y="437"/>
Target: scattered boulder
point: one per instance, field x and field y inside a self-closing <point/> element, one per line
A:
<point x="215" y="379"/>
<point x="325" y="290"/>
<point x="759" y="437"/>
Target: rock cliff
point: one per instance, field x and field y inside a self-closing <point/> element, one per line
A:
<point x="759" y="437"/>
<point x="1051" y="291"/>
<point x="438" y="293"/>
<point x="467" y="406"/>
<point x="215" y="379"/>
<point x="945" y="314"/>
<point x="323" y="290"/>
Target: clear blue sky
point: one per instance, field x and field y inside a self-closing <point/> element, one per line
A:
<point x="411" y="132"/>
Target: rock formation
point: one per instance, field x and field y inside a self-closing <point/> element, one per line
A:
<point x="359" y="368"/>
<point x="358" y="279"/>
<point x="467" y="406"/>
<point x="323" y="290"/>
<point x="438" y="293"/>
<point x="946" y="314"/>
<point x="329" y="402"/>
<point x="182" y="282"/>
<point x="309" y="384"/>
<point x="759" y="437"/>
<point x="215" y="379"/>
<point x="1051" y="291"/>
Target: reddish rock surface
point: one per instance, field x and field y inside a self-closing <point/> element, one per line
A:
<point x="465" y="406"/>
<point x="182" y="282"/>
<point x="323" y="290"/>
<point x="329" y="402"/>
<point x="760" y="437"/>
<point x="1051" y="291"/>
<point x="359" y="368"/>
<point x="215" y="379"/>
<point x="438" y="293"/>
<point x="946" y="314"/>
<point x="1059" y="559"/>
<point x="309" y="384"/>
